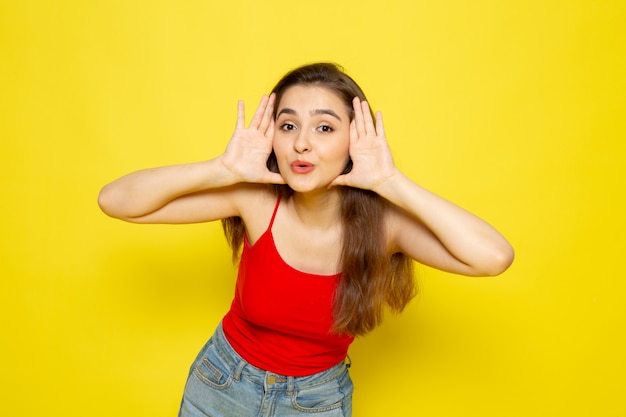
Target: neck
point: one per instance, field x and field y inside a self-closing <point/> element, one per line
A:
<point x="318" y="209"/>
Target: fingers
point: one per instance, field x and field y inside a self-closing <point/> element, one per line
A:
<point x="380" y="128"/>
<point x="367" y="119"/>
<point x="268" y="113"/>
<point x="263" y="115"/>
<point x="258" y="114"/>
<point x="354" y="134"/>
<point x="270" y="129"/>
<point x="359" y="123"/>
<point x="241" y="117"/>
<point x="363" y="121"/>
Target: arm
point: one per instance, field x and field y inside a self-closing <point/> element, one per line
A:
<point x="441" y="234"/>
<point x="200" y="191"/>
<point x="423" y="225"/>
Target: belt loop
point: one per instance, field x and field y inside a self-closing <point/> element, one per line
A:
<point x="348" y="361"/>
<point x="239" y="370"/>
<point x="290" y="385"/>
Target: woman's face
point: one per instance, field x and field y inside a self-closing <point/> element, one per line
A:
<point x="312" y="137"/>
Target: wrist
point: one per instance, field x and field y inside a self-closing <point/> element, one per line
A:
<point x="388" y="183"/>
<point x="221" y="174"/>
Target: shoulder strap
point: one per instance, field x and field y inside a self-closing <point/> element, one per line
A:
<point x="274" y="214"/>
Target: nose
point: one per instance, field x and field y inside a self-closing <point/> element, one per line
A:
<point x="302" y="142"/>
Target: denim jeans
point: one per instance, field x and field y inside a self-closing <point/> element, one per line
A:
<point x="222" y="384"/>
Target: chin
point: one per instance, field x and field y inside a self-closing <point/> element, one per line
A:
<point x="306" y="186"/>
<point x="301" y="188"/>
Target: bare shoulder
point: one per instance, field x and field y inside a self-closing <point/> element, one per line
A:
<point x="256" y="204"/>
<point x="402" y="229"/>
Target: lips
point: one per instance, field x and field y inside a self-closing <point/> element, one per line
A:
<point x="302" y="167"/>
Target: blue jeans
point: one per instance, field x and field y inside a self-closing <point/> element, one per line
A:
<point x="222" y="384"/>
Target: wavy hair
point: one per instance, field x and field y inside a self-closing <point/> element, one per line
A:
<point x="370" y="278"/>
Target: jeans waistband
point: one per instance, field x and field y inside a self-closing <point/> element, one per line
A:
<point x="239" y="367"/>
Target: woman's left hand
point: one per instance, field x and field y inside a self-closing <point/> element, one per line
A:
<point x="372" y="163"/>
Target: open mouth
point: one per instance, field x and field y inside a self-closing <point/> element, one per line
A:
<point x="301" y="167"/>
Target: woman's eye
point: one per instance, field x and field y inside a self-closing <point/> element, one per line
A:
<point x="287" y="126"/>
<point x="325" y="128"/>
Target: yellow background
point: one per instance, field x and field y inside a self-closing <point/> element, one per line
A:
<point x="514" y="110"/>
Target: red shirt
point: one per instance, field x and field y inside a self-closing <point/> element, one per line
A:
<point x="280" y="318"/>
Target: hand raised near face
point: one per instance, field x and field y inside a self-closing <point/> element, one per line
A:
<point x="372" y="163"/>
<point x="249" y="147"/>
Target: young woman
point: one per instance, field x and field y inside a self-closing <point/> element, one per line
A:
<point x="327" y="228"/>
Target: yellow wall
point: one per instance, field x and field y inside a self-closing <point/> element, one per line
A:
<point x="514" y="110"/>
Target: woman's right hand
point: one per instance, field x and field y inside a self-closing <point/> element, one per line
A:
<point x="249" y="148"/>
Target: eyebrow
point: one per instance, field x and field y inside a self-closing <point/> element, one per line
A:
<point x="329" y="112"/>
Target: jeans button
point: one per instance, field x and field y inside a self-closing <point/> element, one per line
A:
<point x="271" y="379"/>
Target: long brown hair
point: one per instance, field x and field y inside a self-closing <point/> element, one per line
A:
<point x="370" y="277"/>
